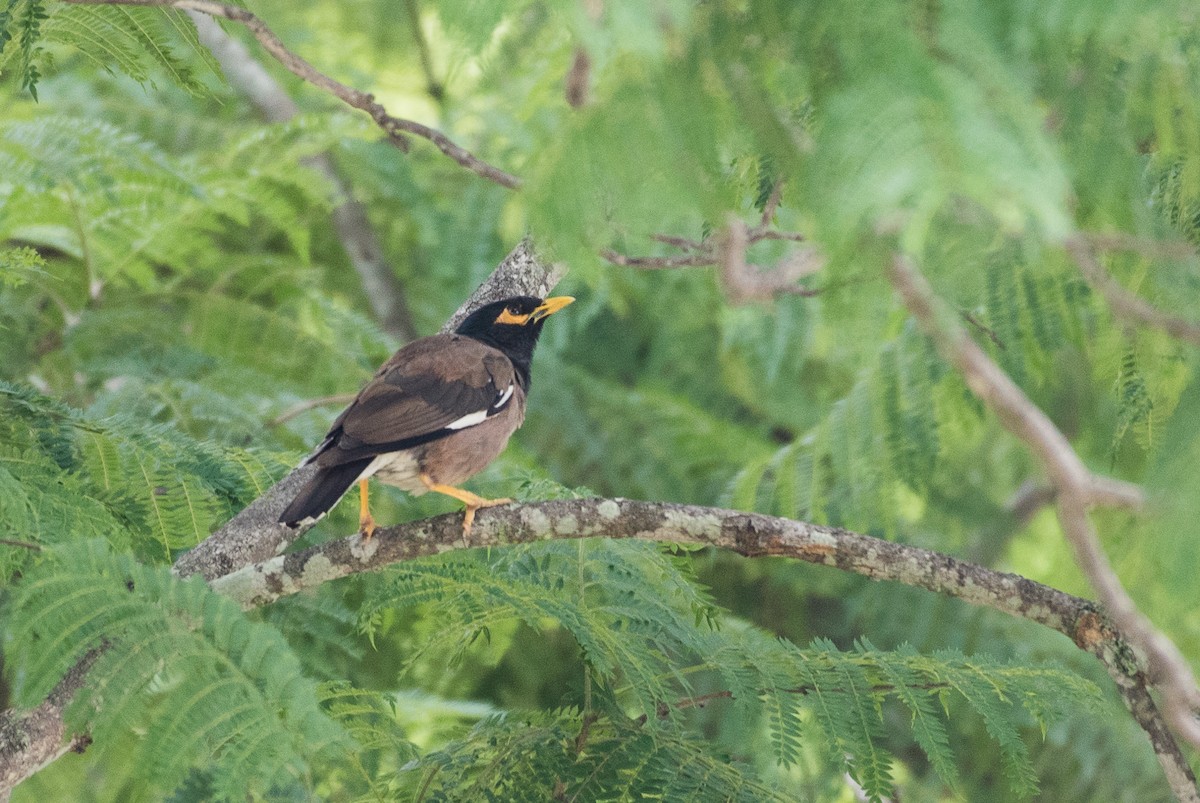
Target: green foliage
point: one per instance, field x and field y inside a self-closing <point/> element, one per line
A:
<point x="17" y="265"/>
<point x="528" y="756"/>
<point x="172" y="290"/>
<point x="143" y="43"/>
<point x="174" y="660"/>
<point x="638" y="622"/>
<point x="149" y="488"/>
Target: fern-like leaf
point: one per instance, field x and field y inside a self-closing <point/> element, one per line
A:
<point x="175" y="660"/>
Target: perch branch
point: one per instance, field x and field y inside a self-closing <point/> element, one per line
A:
<point x="395" y="127"/>
<point x="748" y="534"/>
<point x="1076" y="489"/>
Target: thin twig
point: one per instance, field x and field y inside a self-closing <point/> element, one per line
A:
<point x="759" y="234"/>
<point x="22" y="544"/>
<point x="432" y="85"/>
<point x="305" y="406"/>
<point x="1123" y="302"/>
<point x="772" y="204"/>
<point x="1076" y="489"/>
<point x="394" y="127"/>
<point x="987" y="330"/>
<point x="700" y="260"/>
<point x="727" y="249"/>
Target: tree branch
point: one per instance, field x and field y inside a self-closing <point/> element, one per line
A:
<point x="741" y="280"/>
<point x="748" y="534"/>
<point x="394" y="127"/>
<point x="1124" y="303"/>
<point x="1076" y="489"/>
<point x="34" y="739"/>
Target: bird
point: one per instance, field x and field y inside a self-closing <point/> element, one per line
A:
<point x="436" y="413"/>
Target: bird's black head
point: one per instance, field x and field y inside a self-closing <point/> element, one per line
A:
<point x="513" y="326"/>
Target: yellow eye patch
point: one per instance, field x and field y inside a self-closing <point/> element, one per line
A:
<point x="508" y="316"/>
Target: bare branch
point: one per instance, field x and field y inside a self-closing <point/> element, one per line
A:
<point x="742" y="281"/>
<point x="305" y="406"/>
<point x="1076" y="488"/>
<point x="33" y="739"/>
<point x="1124" y="303"/>
<point x="758" y="234"/>
<point x="21" y="544"/>
<point x="700" y="260"/>
<point x="394" y="127"/>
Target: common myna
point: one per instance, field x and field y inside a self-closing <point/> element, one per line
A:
<point x="436" y="413"/>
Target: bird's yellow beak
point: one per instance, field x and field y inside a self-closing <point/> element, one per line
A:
<point x="549" y="307"/>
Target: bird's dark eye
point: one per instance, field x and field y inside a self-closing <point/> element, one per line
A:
<point x="512" y="310"/>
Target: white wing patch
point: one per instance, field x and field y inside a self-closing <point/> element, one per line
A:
<point x="479" y="416"/>
<point x="505" y="396"/>
<point x="469" y="420"/>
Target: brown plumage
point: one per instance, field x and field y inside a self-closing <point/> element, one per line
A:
<point x="436" y="413"/>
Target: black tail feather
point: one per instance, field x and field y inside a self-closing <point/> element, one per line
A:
<point x="323" y="491"/>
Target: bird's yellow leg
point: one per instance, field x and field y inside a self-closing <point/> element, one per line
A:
<point x="366" y="523"/>
<point x="472" y="501"/>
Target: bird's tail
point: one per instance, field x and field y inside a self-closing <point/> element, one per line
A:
<point x="323" y="491"/>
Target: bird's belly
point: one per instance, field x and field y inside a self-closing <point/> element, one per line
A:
<point x="452" y="459"/>
<point x="448" y="460"/>
<point x="401" y="469"/>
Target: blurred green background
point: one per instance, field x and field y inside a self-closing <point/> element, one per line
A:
<point x="170" y="276"/>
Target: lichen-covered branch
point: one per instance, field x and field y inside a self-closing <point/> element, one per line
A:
<point x="395" y="127"/>
<point x="1076" y="489"/>
<point x="32" y="739"/>
<point x="748" y="534"/>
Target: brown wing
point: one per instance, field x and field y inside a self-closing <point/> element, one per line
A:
<point x="429" y="389"/>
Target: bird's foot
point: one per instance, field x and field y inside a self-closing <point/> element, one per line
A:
<point x="366" y="527"/>
<point x="469" y="517"/>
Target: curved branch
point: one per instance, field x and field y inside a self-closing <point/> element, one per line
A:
<point x="394" y="127"/>
<point x="748" y="534"/>
<point x="1076" y="489"/>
